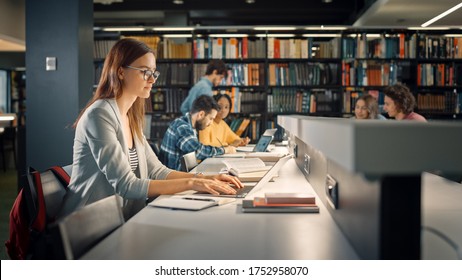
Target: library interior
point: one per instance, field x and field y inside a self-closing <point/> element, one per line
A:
<point x="296" y="74"/>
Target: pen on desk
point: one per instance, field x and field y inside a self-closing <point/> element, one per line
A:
<point x="221" y="145"/>
<point x="201" y="199"/>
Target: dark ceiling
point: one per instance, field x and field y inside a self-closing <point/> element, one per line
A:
<point x="234" y="12"/>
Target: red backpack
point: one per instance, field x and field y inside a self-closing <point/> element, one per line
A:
<point x="35" y="207"/>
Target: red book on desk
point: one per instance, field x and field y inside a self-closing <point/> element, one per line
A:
<point x="290" y="198"/>
<point x="259" y="205"/>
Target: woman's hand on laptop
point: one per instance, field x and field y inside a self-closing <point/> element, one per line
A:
<point x="212" y="186"/>
<point x="230" y="180"/>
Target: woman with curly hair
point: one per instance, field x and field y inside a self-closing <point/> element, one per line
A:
<point x="399" y="103"/>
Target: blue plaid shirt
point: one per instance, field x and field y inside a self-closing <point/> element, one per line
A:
<point x="180" y="139"/>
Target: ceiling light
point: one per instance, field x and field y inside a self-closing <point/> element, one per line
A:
<point x="276" y="35"/>
<point x="274" y="28"/>
<point x="428" y="28"/>
<point x="321" y="35"/>
<point x="107" y="2"/>
<point x="178" y="2"/>
<point x="6" y="118"/>
<point x="250" y="1"/>
<point x="442" y="15"/>
<point x="326" y="1"/>
<point x="322" y="27"/>
<point x="173" y="28"/>
<point x="124" y="29"/>
<point x="177" y="35"/>
<point x="228" y="35"/>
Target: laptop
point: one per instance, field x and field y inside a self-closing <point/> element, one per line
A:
<point x="241" y="193"/>
<point x="261" y="146"/>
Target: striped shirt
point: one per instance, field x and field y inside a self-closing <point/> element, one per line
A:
<point x="133" y="158"/>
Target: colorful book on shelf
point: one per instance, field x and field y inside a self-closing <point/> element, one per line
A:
<point x="242" y="127"/>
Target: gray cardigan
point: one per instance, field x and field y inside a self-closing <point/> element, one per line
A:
<point x="101" y="164"/>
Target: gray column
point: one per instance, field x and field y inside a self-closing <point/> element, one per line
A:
<point x="60" y="29"/>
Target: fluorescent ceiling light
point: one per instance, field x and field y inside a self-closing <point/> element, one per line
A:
<point x="228" y="35"/>
<point x="10" y="44"/>
<point x="124" y="29"/>
<point x="6" y="118"/>
<point x="428" y="28"/>
<point x="442" y="15"/>
<point x="453" y="35"/>
<point x="275" y="35"/>
<point x="321" y="35"/>
<point x="177" y="35"/>
<point x="173" y="28"/>
<point x="274" y="28"/>
<point x="322" y="27"/>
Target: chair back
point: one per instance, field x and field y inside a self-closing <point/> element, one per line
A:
<point x="188" y="161"/>
<point x="54" y="190"/>
<point x="84" y="228"/>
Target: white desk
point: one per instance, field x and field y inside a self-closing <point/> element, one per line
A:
<point x="225" y="233"/>
<point x="441" y="210"/>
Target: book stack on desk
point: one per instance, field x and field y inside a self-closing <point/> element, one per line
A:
<point x="282" y="203"/>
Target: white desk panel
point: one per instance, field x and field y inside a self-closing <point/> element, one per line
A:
<point x="441" y="210"/>
<point x="225" y="233"/>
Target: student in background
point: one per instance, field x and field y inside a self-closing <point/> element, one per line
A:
<point x="181" y="136"/>
<point x="367" y="108"/>
<point x="215" y="72"/>
<point x="399" y="103"/>
<point x="111" y="154"/>
<point x="219" y="133"/>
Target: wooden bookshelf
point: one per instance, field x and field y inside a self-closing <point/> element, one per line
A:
<point x="315" y="73"/>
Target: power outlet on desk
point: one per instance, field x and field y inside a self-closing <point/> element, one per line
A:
<point x="332" y="191"/>
<point x="306" y="164"/>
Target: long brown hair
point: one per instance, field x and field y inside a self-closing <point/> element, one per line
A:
<point x="123" y="53"/>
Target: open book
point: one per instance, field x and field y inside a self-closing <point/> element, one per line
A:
<point x="238" y="166"/>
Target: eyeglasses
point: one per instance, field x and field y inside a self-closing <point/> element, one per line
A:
<point x="146" y="73"/>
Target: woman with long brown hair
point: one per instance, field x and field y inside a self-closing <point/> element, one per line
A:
<point x="111" y="154"/>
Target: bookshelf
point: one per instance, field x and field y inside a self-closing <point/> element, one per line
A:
<point x="310" y="72"/>
<point x="17" y="99"/>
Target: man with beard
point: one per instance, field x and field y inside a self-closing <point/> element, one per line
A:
<point x="181" y="136"/>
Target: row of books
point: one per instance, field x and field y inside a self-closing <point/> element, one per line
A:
<point x="246" y="126"/>
<point x="230" y="48"/>
<point x="239" y="125"/>
<point x="302" y="74"/>
<point x="439" y="74"/>
<point x="101" y="48"/>
<point x="248" y="74"/>
<point x="390" y="46"/>
<point x="158" y="126"/>
<point x="302" y="48"/>
<point x="168" y="49"/>
<point x="245" y="101"/>
<point x="431" y="46"/>
<point x="447" y="102"/>
<point x="359" y="46"/>
<point x="166" y="100"/>
<point x="374" y="73"/>
<point x="303" y="101"/>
